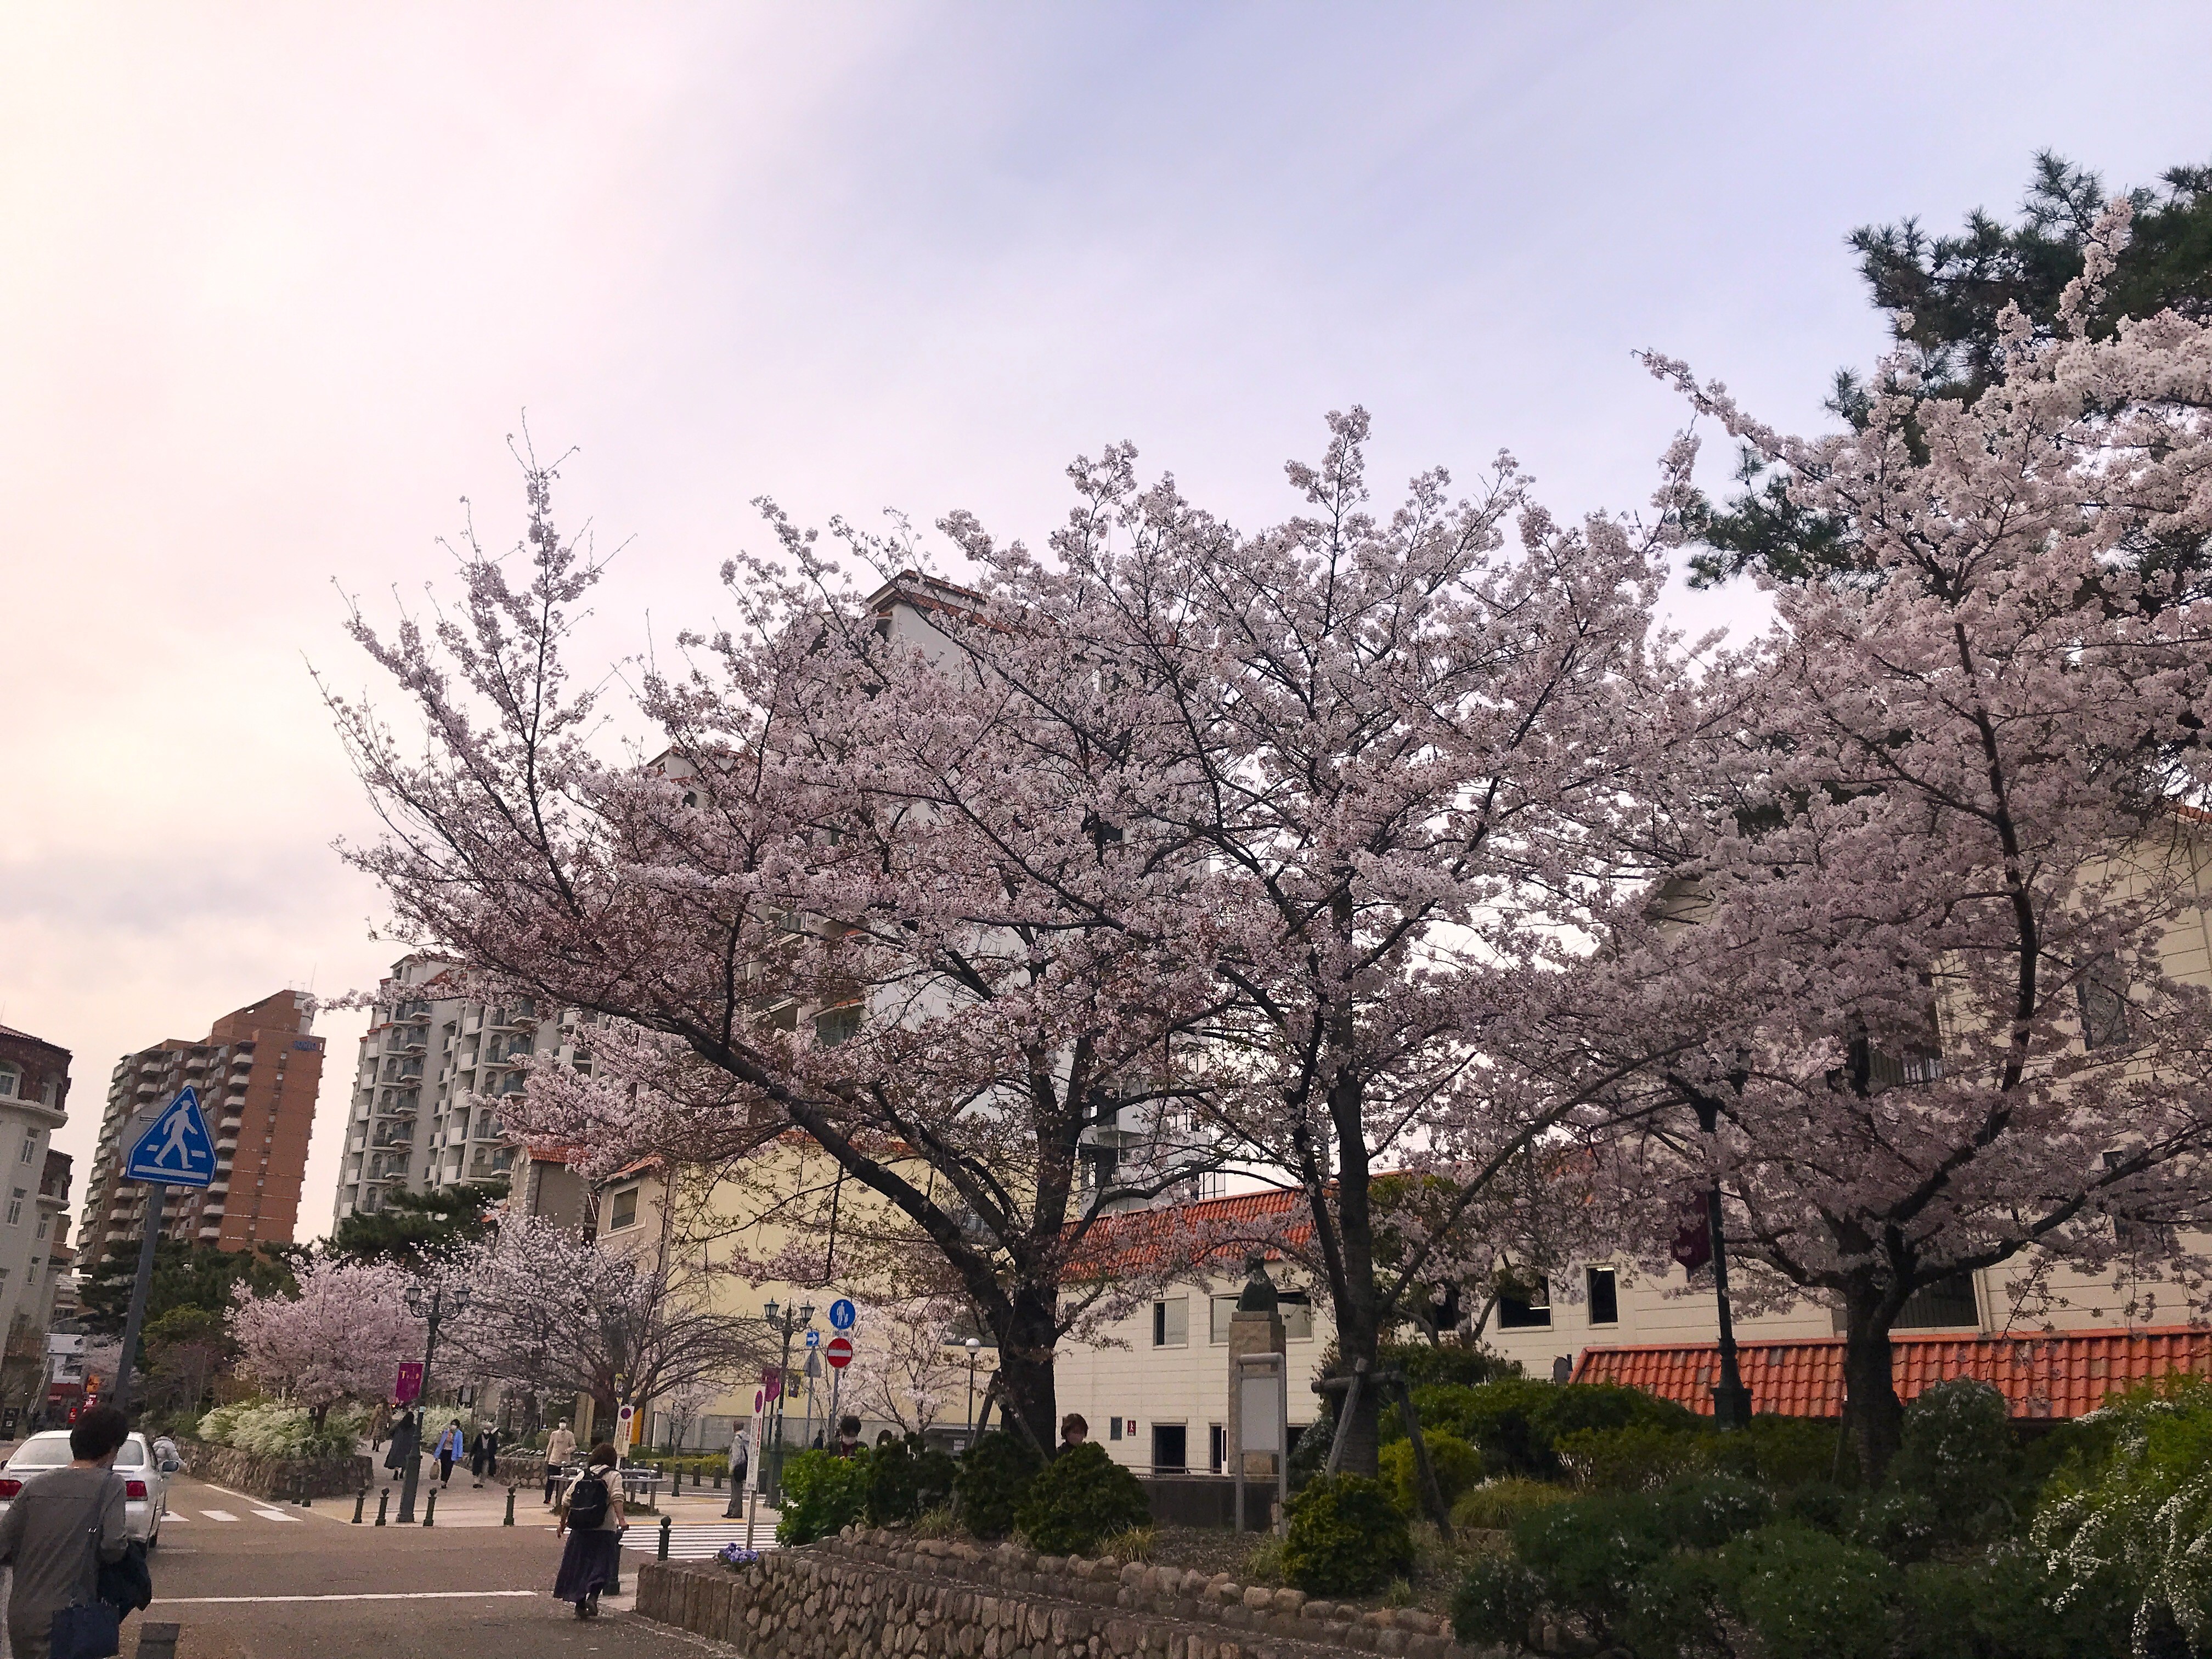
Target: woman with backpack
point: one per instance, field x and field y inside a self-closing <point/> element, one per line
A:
<point x="592" y="1514"/>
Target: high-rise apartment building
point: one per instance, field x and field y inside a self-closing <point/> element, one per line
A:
<point x="257" y="1073"/>
<point x="33" y="1182"/>
<point x="434" y="1064"/>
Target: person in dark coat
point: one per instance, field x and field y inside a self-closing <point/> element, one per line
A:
<point x="406" y="1441"/>
<point x="483" y="1454"/>
<point x="590" y="1561"/>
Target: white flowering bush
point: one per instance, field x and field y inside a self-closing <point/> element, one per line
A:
<point x="272" y="1428"/>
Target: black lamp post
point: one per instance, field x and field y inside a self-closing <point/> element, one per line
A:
<point x="975" y="1347"/>
<point x="433" y="1310"/>
<point x="787" y="1320"/>
<point x="1731" y="1399"/>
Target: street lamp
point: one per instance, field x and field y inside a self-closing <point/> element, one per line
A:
<point x="786" y="1320"/>
<point x="433" y="1310"/>
<point x="975" y="1347"/>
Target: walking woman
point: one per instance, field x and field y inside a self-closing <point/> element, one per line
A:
<point x="452" y="1447"/>
<point x="592" y="1514"/>
<point x="56" y="1526"/>
<point x="483" y="1453"/>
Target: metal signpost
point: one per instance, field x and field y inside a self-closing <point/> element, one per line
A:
<point x="175" y="1149"/>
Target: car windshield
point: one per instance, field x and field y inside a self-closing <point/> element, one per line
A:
<point x="41" y="1452"/>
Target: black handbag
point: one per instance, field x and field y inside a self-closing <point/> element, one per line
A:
<point x="88" y="1630"/>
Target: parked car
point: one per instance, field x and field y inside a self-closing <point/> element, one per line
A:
<point x="145" y="1482"/>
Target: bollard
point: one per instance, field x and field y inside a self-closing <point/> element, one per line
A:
<point x="360" y="1500"/>
<point x="383" y="1503"/>
<point x="307" y="1498"/>
<point x="718" y="1480"/>
<point x="510" y="1508"/>
<point x="666" y="1522"/>
<point x="430" y="1507"/>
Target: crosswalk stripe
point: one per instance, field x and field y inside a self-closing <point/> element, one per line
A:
<point x="271" y="1515"/>
<point x="218" y="1515"/>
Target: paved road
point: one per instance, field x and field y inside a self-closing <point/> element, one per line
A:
<point x="287" y="1583"/>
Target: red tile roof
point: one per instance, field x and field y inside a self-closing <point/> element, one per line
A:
<point x="2042" y="1374"/>
<point x="1211" y="1229"/>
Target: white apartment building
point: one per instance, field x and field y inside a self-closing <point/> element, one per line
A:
<point x="35" y="1181"/>
<point x="433" y="1065"/>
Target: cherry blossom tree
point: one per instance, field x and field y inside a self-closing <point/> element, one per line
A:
<point x="901" y="1372"/>
<point x="340" y="1337"/>
<point x="1928" y="880"/>
<point x="553" y="1313"/>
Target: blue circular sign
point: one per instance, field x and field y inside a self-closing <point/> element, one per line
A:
<point x="841" y="1314"/>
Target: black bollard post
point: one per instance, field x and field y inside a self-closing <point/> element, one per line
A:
<point x="360" y="1501"/>
<point x="430" y="1509"/>
<point x="666" y="1522"/>
<point x="510" y="1508"/>
<point x="383" y="1503"/>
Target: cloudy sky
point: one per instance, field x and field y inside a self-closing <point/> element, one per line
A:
<point x="277" y="282"/>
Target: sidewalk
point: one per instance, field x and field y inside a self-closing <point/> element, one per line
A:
<point x="465" y="1505"/>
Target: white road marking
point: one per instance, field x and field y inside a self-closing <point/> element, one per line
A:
<point x="218" y="1515"/>
<point x="366" y="1596"/>
<point x="271" y="1515"/>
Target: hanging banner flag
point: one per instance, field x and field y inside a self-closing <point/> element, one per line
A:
<point x="1693" y="1245"/>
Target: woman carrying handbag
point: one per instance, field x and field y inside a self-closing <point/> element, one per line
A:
<point x="62" y="1526"/>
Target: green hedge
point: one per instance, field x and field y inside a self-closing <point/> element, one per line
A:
<point x="822" y="1494"/>
<point x="1345" y="1538"/>
<point x="1080" y="1497"/>
<point x="992" y="1479"/>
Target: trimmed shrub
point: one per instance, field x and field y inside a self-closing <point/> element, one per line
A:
<point x="1642" y="1457"/>
<point x="1514" y="1421"/>
<point x="1822" y="1507"/>
<point x="1809" y="1596"/>
<point x="1497" y="1504"/>
<point x="1903" y="1525"/>
<point x="1495" y="1602"/>
<point x="1080" y="1497"/>
<point x="1458" y="1466"/>
<point x="1671" y="1611"/>
<point x="822" y="1494"/>
<point x="906" y="1477"/>
<point x="1706" y="1514"/>
<point x="1957" y="1452"/>
<point x="1345" y="1538"/>
<point x="1455" y="1359"/>
<point x="1587" y="1553"/>
<point x="993" y="1477"/>
<point x="1791" y="1452"/>
<point x="2007" y="1605"/>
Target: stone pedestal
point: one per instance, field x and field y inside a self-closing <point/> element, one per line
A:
<point x="1250" y="1332"/>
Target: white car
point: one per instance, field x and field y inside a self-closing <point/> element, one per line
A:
<point x="145" y="1483"/>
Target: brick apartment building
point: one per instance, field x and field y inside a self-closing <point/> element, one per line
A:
<point x="257" y="1073"/>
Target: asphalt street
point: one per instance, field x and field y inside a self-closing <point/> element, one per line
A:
<point x="248" y="1579"/>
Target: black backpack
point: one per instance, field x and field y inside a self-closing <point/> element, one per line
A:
<point x="587" y="1501"/>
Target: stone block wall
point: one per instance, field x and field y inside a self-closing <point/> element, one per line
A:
<point x="866" y="1593"/>
<point x="274" y="1477"/>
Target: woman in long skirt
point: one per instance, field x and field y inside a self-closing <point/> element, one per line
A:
<point x="592" y="1559"/>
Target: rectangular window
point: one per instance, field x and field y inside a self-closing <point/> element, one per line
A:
<point x="1171" y="1322"/>
<point x="30" y="1146"/>
<point x="1604" y="1296"/>
<point x="2132" y="1233"/>
<point x="16" y="1206"/>
<point x="1218" y="1309"/>
<point x="1217" y="1447"/>
<point x="1298" y="1320"/>
<point x="1170" y="1449"/>
<point x="837" y="1025"/>
<point x="1113" y="1428"/>
<point x="42" y="1226"/>
<point x="1530" y="1309"/>
<point x="2103" y="996"/>
<point x="1947" y="1305"/>
<point x="624" y="1210"/>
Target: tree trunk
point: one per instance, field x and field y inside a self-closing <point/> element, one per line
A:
<point x="1027" y="1390"/>
<point x="1874" y="1417"/>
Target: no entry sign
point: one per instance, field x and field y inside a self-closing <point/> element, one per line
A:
<point x="838" y="1351"/>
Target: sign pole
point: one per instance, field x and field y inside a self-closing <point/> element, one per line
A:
<point x="155" y="1193"/>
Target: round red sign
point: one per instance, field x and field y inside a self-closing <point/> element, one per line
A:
<point x="838" y="1351"/>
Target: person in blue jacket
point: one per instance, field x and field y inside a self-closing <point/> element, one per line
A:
<point x="452" y="1445"/>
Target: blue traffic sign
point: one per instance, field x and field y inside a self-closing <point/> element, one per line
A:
<point x="841" y="1314"/>
<point x="176" y="1148"/>
<point x="814" y="1339"/>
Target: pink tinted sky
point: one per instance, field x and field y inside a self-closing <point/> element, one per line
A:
<point x="275" y="283"/>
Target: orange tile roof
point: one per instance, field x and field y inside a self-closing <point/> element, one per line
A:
<point x="1210" y="1229"/>
<point x="2041" y="1374"/>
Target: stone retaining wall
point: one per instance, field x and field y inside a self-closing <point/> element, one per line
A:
<point x="863" y="1594"/>
<point x="274" y="1477"/>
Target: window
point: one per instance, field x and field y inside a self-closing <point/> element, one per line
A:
<point x="1946" y="1304"/>
<point x="2102" y="992"/>
<point x="16" y="1206"/>
<point x="1113" y="1428"/>
<point x="1171" y="1322"/>
<point x="1525" y="1309"/>
<point x="1298" y="1320"/>
<point x="837" y="1025"/>
<point x="42" y="1226"/>
<point x="2132" y="1233"/>
<point x="1170" y="1448"/>
<point x="1217" y="1447"/>
<point x="1604" y="1295"/>
<point x="30" y="1146"/>
<point x="1219" y="1307"/>
<point x="624" y="1210"/>
<point x="8" y="1075"/>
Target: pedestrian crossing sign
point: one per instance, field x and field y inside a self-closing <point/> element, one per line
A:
<point x="176" y="1148"/>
